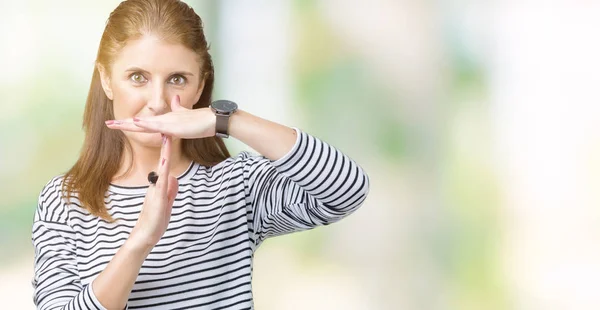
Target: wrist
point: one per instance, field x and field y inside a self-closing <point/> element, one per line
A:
<point x="137" y="246"/>
<point x="212" y="124"/>
<point x="235" y="122"/>
<point x="223" y="110"/>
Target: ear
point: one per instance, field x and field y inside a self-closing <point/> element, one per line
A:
<point x="105" y="80"/>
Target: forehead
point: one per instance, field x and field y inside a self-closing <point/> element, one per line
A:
<point x="156" y="55"/>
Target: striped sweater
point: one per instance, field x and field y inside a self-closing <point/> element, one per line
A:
<point x="220" y="216"/>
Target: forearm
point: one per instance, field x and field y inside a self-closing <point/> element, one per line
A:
<point x="113" y="285"/>
<point x="268" y="138"/>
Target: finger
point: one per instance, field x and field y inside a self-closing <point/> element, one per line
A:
<point x="155" y="125"/>
<point x="172" y="190"/>
<point x="125" y="125"/>
<point x="176" y="103"/>
<point x="164" y="165"/>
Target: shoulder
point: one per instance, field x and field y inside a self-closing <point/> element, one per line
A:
<point x="51" y="205"/>
<point x="252" y="160"/>
<point x="243" y="158"/>
<point x="247" y="156"/>
<point x="244" y="163"/>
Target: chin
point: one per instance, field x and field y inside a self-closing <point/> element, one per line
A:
<point x="146" y="139"/>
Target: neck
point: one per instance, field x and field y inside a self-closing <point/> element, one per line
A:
<point x="146" y="159"/>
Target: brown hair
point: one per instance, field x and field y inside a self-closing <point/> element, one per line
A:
<point x="103" y="148"/>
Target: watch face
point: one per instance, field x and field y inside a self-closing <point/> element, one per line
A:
<point x="224" y="106"/>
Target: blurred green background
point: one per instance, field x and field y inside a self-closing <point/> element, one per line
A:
<point x="476" y="122"/>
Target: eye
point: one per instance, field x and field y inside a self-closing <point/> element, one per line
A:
<point x="137" y="78"/>
<point x="177" y="80"/>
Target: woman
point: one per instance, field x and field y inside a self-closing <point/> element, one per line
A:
<point x="106" y="239"/>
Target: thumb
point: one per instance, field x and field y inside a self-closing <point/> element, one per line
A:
<point x="176" y="104"/>
<point x="172" y="189"/>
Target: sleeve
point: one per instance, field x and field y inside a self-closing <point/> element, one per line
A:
<point x="314" y="184"/>
<point x="56" y="281"/>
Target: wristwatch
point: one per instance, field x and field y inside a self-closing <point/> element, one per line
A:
<point x="223" y="109"/>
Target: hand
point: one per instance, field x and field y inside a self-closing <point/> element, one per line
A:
<point x="156" y="210"/>
<point x="181" y="122"/>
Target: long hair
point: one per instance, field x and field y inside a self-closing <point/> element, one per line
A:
<point x="103" y="148"/>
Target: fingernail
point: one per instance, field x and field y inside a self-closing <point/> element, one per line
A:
<point x="110" y="122"/>
<point x="152" y="177"/>
<point x="118" y="122"/>
<point x="163" y="162"/>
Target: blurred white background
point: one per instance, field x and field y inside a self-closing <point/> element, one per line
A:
<point x="477" y="121"/>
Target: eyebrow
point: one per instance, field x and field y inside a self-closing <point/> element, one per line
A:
<point x="136" y="69"/>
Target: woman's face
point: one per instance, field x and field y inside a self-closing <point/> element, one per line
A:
<point x="145" y="76"/>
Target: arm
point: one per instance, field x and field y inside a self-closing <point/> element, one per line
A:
<point x="299" y="183"/>
<point x="113" y="285"/>
<point x="270" y="139"/>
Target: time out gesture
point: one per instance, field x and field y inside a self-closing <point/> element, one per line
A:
<point x="223" y="119"/>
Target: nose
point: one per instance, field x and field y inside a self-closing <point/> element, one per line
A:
<point x="158" y="101"/>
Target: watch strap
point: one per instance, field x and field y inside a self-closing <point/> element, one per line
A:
<point x="222" y="125"/>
